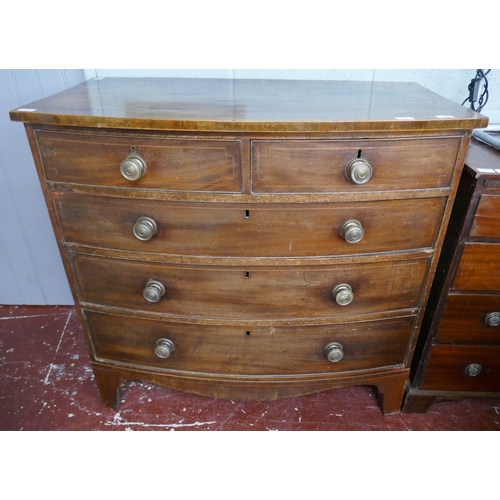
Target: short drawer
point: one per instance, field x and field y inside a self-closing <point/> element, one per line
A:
<point x="470" y="319"/>
<point x="320" y="166"/>
<point x="171" y="164"/>
<point x="252" y="292"/>
<point x="245" y="350"/>
<point x="479" y="268"/>
<point x="266" y="230"/>
<point x="463" y="368"/>
<point x="486" y="222"/>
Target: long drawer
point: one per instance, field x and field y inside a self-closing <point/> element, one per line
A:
<point x="171" y="164"/>
<point x="463" y="368"/>
<point x="250" y="351"/>
<point x="470" y="319"/>
<point x="319" y="166"/>
<point x="252" y="292"/>
<point x="247" y="230"/>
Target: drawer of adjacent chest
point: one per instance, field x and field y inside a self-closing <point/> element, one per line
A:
<point x="332" y="166"/>
<point x="253" y="292"/>
<point x="470" y="319"/>
<point x="247" y="350"/>
<point x="463" y="368"/>
<point x="479" y="268"/>
<point x="486" y="222"/>
<point x="248" y="230"/>
<point x="149" y="163"/>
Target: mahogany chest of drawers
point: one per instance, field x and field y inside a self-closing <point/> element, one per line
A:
<point x="250" y="239"/>
<point x="459" y="352"/>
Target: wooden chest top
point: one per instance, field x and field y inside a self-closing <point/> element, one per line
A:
<point x="250" y="106"/>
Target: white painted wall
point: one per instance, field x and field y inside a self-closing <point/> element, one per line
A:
<point x="31" y="270"/>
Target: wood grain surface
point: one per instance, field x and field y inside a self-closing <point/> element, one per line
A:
<point x="250" y="105"/>
<point x="319" y="166"/>
<point x="275" y="350"/>
<point x="463" y="319"/>
<point x="233" y="230"/>
<point x="479" y="268"/>
<point x="172" y="164"/>
<point x="485" y="223"/>
<point x="445" y="371"/>
<point x="253" y="292"/>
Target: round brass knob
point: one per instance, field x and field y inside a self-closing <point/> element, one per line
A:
<point x="334" y="352"/>
<point x="145" y="228"/>
<point x="492" y="319"/>
<point x="133" y="167"/>
<point x="154" y="291"/>
<point x="473" y="370"/>
<point x="352" y="231"/>
<point x="343" y="294"/>
<point x="358" y="170"/>
<point x="164" y="348"/>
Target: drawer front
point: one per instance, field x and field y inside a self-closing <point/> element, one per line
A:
<point x="250" y="350"/>
<point x="251" y="293"/>
<point x="172" y="164"/>
<point x="247" y="230"/>
<point x="470" y="319"/>
<point x="479" y="268"/>
<point x="450" y="368"/>
<point x="319" y="166"/>
<point x="486" y="222"/>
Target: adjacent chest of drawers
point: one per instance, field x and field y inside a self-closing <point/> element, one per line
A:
<point x="461" y="353"/>
<point x="250" y="239"/>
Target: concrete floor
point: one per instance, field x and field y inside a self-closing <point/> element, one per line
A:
<point x="46" y="384"/>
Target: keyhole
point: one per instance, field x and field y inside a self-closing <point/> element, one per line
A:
<point x="247" y="214"/>
<point x="247" y="274"/>
<point x="247" y="334"/>
<point x="132" y="150"/>
<point x="360" y="152"/>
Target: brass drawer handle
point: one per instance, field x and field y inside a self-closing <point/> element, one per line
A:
<point x="359" y="171"/>
<point x="334" y="352"/>
<point x="164" y="348"/>
<point x="343" y="294"/>
<point x="154" y="291"/>
<point x="145" y="228"/>
<point x="133" y="167"/>
<point x="352" y="231"/>
<point x="492" y="319"/>
<point x="473" y="370"/>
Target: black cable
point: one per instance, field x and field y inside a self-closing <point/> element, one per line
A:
<point x="483" y="98"/>
<point x="473" y="90"/>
